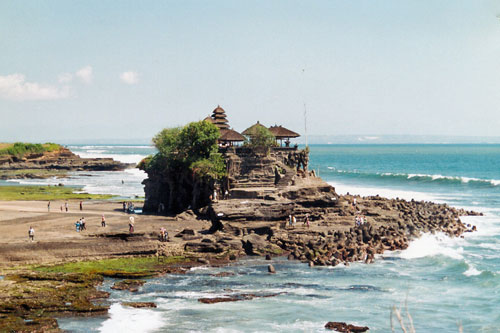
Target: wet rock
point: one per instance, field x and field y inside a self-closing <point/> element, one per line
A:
<point x="343" y="327"/>
<point x="130" y="285"/>
<point x="139" y="304"/>
<point x="271" y="269"/>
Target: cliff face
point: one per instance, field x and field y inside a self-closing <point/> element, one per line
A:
<point x="62" y="159"/>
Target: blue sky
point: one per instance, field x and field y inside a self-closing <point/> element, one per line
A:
<point x="78" y="70"/>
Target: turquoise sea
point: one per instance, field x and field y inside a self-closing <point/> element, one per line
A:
<point x="445" y="283"/>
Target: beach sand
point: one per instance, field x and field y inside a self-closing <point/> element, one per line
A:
<point x="56" y="239"/>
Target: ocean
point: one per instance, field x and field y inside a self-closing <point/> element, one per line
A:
<point x="444" y="283"/>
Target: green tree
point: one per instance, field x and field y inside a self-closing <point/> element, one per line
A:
<point x="261" y="137"/>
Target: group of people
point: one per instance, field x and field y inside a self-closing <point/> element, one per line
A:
<point x="214" y="196"/>
<point x="163" y="234"/>
<point x="80" y="225"/>
<point x="292" y="220"/>
<point x="360" y="220"/>
<point x="65" y="206"/>
<point x="128" y="207"/>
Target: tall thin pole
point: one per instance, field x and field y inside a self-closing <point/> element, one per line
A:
<point x="305" y="108"/>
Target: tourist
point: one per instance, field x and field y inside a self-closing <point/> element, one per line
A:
<point x="103" y="221"/>
<point x="290" y="220"/>
<point x="48" y="206"/>
<point x="131" y="225"/>
<point x="82" y="224"/>
<point x="81" y="205"/>
<point x="226" y="195"/>
<point x="306" y="220"/>
<point x="61" y="208"/>
<point x="162" y="234"/>
<point x="215" y="195"/>
<point x="294" y="220"/>
<point x="124" y="206"/>
<point x="77" y="224"/>
<point x="31" y="234"/>
<point x="66" y="206"/>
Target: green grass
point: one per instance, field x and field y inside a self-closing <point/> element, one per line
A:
<point x="139" y="265"/>
<point x="19" y="149"/>
<point x="46" y="193"/>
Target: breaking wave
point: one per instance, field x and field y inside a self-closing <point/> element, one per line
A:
<point x="424" y="178"/>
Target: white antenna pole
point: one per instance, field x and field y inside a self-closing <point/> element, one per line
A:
<point x="305" y="109"/>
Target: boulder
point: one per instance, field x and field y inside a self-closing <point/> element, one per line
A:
<point x="346" y="328"/>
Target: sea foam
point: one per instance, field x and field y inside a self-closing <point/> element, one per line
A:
<point x="123" y="319"/>
<point x="429" y="245"/>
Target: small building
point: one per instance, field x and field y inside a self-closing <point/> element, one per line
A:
<point x="228" y="136"/>
<point x="281" y="133"/>
<point x="251" y="130"/>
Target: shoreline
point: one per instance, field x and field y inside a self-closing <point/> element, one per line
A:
<point x="194" y="243"/>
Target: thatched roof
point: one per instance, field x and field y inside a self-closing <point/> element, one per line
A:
<point x="281" y="132"/>
<point x="209" y="119"/>
<point x="230" y="135"/>
<point x="219" y="118"/>
<point x="251" y="129"/>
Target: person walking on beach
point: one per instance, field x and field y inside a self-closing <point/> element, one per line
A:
<point x="290" y="220"/>
<point x="48" y="206"/>
<point x="306" y="220"/>
<point x="66" y="206"/>
<point x="294" y="220"/>
<point x="81" y="205"/>
<point x="103" y="221"/>
<point x="77" y="225"/>
<point x="131" y="225"/>
<point x="31" y="234"/>
<point x="124" y="206"/>
<point x="61" y="208"/>
<point x="82" y="224"/>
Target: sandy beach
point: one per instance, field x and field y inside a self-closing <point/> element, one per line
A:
<point x="56" y="238"/>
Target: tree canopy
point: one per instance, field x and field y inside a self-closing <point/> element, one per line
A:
<point x="261" y="137"/>
<point x="193" y="146"/>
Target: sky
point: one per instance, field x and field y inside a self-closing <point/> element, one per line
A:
<point x="122" y="70"/>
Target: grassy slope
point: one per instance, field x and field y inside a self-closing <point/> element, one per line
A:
<point x="19" y="149"/>
<point x="45" y="193"/>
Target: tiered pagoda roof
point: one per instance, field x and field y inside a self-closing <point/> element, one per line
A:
<point x="219" y="118"/>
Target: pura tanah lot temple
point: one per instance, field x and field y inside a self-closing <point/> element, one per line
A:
<point x="251" y="168"/>
<point x="231" y="138"/>
<point x="252" y="172"/>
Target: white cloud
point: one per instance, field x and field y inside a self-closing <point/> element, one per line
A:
<point x="85" y="74"/>
<point x="15" y="87"/>
<point x="65" y="77"/>
<point x="129" y="77"/>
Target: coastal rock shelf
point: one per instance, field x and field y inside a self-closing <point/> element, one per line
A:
<point x="39" y="165"/>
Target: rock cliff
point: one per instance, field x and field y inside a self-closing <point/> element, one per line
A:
<point x="59" y="160"/>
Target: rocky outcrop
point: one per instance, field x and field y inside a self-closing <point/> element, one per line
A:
<point x="140" y="305"/>
<point x="60" y="160"/>
<point x="343" y="327"/>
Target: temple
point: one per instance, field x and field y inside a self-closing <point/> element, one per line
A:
<point x="251" y="172"/>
